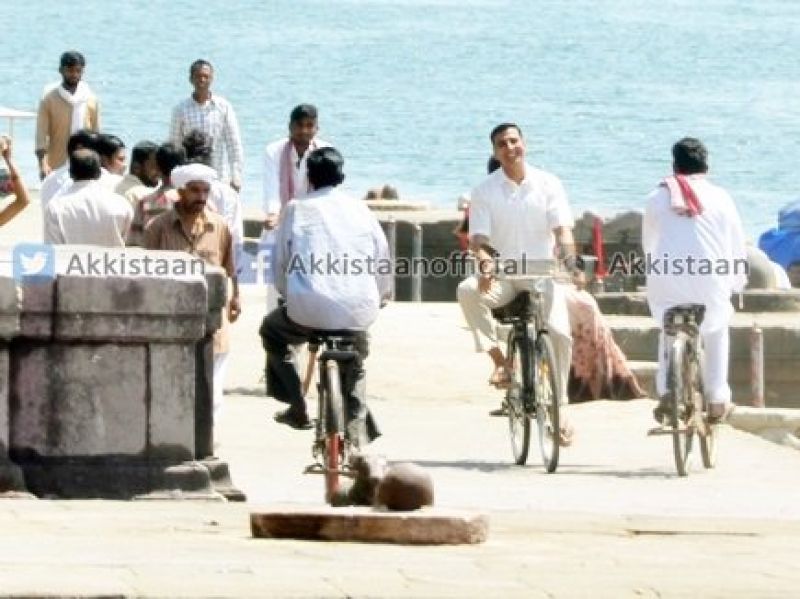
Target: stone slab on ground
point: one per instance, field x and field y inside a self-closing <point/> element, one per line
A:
<point x="430" y="526"/>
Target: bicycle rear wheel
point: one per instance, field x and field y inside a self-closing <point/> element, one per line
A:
<point x="334" y="428"/>
<point x="519" y="423"/>
<point x="679" y="377"/>
<point x="548" y="408"/>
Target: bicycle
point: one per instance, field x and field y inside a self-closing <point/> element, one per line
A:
<point x="533" y="392"/>
<point x="689" y="406"/>
<point x="332" y="446"/>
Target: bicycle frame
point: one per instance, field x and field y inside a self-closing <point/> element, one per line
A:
<point x="331" y="443"/>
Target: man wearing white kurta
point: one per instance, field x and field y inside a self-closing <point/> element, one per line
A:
<point x="521" y="213"/>
<point x="705" y="230"/>
<point x="285" y="174"/>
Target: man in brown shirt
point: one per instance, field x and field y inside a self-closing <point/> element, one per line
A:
<point x="190" y="227"/>
<point x="63" y="110"/>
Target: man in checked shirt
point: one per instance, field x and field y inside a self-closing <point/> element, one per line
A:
<point x="213" y="115"/>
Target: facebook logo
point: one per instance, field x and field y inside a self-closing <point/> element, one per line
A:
<point x="255" y="264"/>
<point x="34" y="262"/>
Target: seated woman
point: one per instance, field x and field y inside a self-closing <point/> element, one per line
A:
<point x="599" y="368"/>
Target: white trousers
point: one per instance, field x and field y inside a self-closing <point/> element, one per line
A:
<point x="477" y="309"/>
<point x="220" y="368"/>
<point x="714" y="367"/>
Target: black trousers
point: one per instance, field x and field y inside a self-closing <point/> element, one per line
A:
<point x="278" y="332"/>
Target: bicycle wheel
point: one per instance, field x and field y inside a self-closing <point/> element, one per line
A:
<point x="680" y="388"/>
<point x="548" y="408"/>
<point x="334" y="428"/>
<point x="519" y="423"/>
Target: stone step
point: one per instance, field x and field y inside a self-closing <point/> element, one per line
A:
<point x="428" y="526"/>
<point x="637" y="336"/>
<point x="634" y="303"/>
<point x="646" y="374"/>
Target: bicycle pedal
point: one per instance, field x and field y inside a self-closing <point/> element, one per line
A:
<point x="314" y="469"/>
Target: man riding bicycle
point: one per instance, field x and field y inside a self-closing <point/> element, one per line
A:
<point x="331" y="264"/>
<point x="693" y="228"/>
<point x="518" y="213"/>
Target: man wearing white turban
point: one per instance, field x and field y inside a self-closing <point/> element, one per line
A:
<point x="191" y="227"/>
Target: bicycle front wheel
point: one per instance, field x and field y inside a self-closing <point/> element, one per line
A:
<point x="519" y="422"/>
<point x="679" y="383"/>
<point x="547" y="400"/>
<point x="334" y="428"/>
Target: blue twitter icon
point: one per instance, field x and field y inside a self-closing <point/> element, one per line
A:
<point x="34" y="261"/>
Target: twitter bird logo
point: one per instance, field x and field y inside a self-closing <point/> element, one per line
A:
<point x="33" y="261"/>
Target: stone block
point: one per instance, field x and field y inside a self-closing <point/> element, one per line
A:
<point x="130" y="308"/>
<point x="9" y="308"/>
<point x="172" y="408"/>
<point x="77" y="399"/>
<point x="4" y="408"/>
<point x="36" y="320"/>
<point x="422" y="527"/>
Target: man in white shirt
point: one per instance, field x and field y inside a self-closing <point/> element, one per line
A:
<point x="88" y="213"/>
<point x="692" y="226"/>
<point x="517" y="213"/>
<point x="285" y="173"/>
<point x="332" y="265"/>
<point x="58" y="179"/>
<point x="215" y="116"/>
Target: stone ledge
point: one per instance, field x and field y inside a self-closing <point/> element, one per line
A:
<point x="779" y="425"/>
<point x="423" y="527"/>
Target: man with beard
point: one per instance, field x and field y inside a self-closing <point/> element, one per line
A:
<point x="189" y="226"/>
<point x="64" y="109"/>
<point x="142" y="177"/>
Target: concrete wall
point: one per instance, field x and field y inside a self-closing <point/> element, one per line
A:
<point x="99" y="377"/>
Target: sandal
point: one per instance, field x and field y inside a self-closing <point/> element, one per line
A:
<point x="565" y="435"/>
<point x="501" y="378"/>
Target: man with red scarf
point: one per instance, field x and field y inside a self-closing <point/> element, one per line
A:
<point x="693" y="237"/>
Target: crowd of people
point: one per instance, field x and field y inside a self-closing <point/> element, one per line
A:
<point x="182" y="194"/>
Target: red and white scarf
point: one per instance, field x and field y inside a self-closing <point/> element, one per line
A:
<point x="682" y="198"/>
<point x="286" y="168"/>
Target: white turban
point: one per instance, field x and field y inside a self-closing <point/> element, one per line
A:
<point x="182" y="175"/>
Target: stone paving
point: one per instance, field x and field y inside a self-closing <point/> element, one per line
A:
<point x="614" y="521"/>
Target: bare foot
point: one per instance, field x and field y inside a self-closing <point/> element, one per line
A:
<point x="501" y="377"/>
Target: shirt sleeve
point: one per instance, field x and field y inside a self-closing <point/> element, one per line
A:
<point x="94" y="116"/>
<point x="176" y="126"/>
<point x="271" y="186"/>
<point x="480" y="217"/>
<point x="42" y="125"/>
<point x="281" y="253"/>
<point x="649" y="224"/>
<point x="52" y="232"/>
<point x="233" y="141"/>
<point x="227" y="253"/>
<point x="383" y="273"/>
<point x="559" y="213"/>
<point x="739" y="249"/>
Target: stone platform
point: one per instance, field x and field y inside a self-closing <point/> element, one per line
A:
<point x="429" y="526"/>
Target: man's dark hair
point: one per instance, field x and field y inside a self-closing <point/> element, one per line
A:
<point x="82" y="138"/>
<point x="168" y="156"/>
<point x="502" y="127"/>
<point x="108" y="145"/>
<point x="325" y="168"/>
<point x="197" y="65"/>
<point x="142" y="151"/>
<point x="303" y="111"/>
<point x="492" y="165"/>
<point x="84" y="165"/>
<point x="689" y="156"/>
<point x="72" y="58"/>
<point x="198" y="147"/>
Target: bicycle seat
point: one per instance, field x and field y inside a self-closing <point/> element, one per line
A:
<point x="684" y="315"/>
<point x="517" y="309"/>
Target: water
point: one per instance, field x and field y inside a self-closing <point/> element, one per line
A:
<point x="409" y="89"/>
